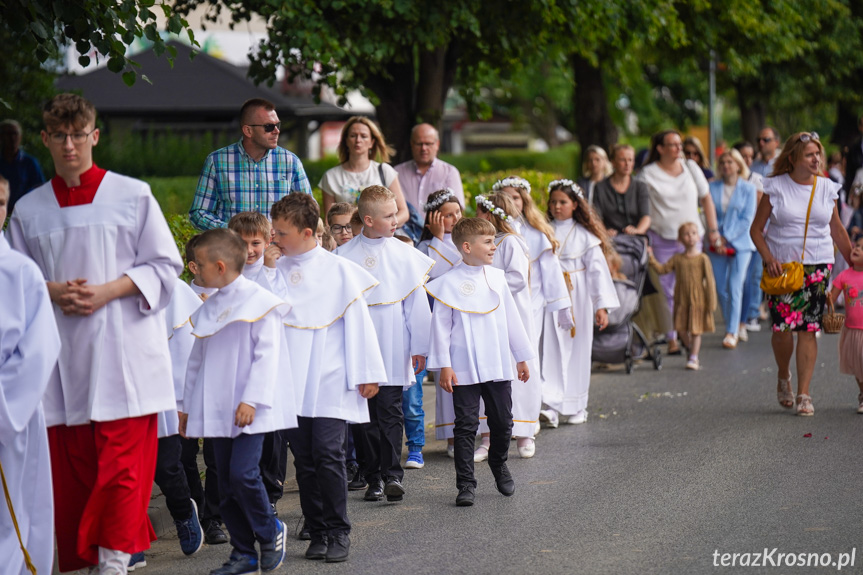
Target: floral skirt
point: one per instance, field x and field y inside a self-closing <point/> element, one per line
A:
<point x="802" y="310"/>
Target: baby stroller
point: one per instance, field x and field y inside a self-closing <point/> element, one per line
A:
<point x="623" y="341"/>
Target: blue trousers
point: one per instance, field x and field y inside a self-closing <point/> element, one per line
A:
<point x="412" y="407"/>
<point x="243" y="501"/>
<point x="730" y="274"/>
<point x="752" y="289"/>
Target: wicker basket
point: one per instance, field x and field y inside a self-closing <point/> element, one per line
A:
<point x="832" y="322"/>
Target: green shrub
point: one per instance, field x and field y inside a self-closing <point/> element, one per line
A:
<point x="182" y="230"/>
<point x="475" y="184"/>
<point x="560" y="160"/>
<point x="165" y="155"/>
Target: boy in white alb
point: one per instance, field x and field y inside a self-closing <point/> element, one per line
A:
<point x="110" y="264"/>
<point x="237" y="389"/>
<point x="335" y="352"/>
<point x="29" y="347"/>
<point x="476" y="331"/>
<point x="402" y="318"/>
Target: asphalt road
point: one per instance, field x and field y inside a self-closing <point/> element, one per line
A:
<point x="672" y="470"/>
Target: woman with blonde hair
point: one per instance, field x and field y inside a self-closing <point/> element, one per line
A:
<point x="594" y="169"/>
<point x="363" y="157"/>
<point x="804" y="224"/>
<point x="693" y="150"/>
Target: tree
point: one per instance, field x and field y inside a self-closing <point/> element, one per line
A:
<point x="42" y="29"/>
<point x="404" y="55"/>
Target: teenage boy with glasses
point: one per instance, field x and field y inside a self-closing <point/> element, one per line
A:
<point x="249" y="175"/>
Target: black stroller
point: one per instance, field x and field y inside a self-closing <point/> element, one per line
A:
<point x="623" y="341"/>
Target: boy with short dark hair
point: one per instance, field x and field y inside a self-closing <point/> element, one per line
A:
<point x="231" y="395"/>
<point x="402" y="318"/>
<point x="339" y="219"/>
<point x="334" y="351"/>
<point x="476" y="331"/>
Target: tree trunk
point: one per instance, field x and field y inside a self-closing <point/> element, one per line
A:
<point x="845" y="129"/>
<point x="395" y="110"/>
<point x="592" y="120"/>
<point x="753" y="114"/>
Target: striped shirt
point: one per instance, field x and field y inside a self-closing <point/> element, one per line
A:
<point x="232" y="182"/>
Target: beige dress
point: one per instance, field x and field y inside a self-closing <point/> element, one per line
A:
<point x="694" y="292"/>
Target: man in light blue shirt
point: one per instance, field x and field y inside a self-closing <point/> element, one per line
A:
<point x="768" y="146"/>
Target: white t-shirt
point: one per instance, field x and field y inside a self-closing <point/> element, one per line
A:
<point x="346" y="186"/>
<point x="788" y="219"/>
<point x="674" y="199"/>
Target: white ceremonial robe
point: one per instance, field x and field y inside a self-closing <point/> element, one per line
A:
<point x="267" y="278"/>
<point x="114" y="364"/>
<point x="476" y="328"/>
<point x="202" y="292"/>
<point x="330" y="334"/>
<point x="239" y="355"/>
<point x="444" y="254"/>
<point x="29" y="347"/>
<point x="184" y="302"/>
<point x="567" y="358"/>
<point x="398" y="305"/>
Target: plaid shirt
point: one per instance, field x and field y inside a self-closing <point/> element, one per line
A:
<point x="232" y="182"/>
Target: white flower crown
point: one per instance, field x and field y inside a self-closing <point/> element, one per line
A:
<point x="441" y="200"/>
<point x="511" y="182"/>
<point x="491" y="208"/>
<point x="567" y="183"/>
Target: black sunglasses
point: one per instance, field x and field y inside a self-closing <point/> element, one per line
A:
<point x="765" y="139"/>
<point x="267" y="127"/>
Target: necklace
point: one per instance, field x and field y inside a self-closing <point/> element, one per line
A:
<point x="371" y="255"/>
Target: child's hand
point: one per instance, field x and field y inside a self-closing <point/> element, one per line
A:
<point x="602" y="319"/>
<point x="271" y="254"/>
<point x="419" y="363"/>
<point x="245" y="415"/>
<point x="448" y="379"/>
<point x="435" y="225"/>
<point x="523" y="371"/>
<point x="611" y="232"/>
<point x="184" y="419"/>
<point x="564" y="319"/>
<point x="368" y="390"/>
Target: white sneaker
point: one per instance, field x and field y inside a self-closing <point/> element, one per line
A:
<point x="753" y="325"/>
<point x="527" y="450"/>
<point x="481" y="453"/>
<point x="578" y="418"/>
<point x="537" y="429"/>
<point x="742" y="334"/>
<point x="450" y="451"/>
<point x="549" y="416"/>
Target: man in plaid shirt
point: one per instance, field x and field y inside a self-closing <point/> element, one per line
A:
<point x="249" y="176"/>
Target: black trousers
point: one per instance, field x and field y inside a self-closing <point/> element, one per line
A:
<point x="171" y="478"/>
<point x="497" y="396"/>
<point x="274" y="464"/>
<point x="319" y="457"/>
<point x="206" y="496"/>
<point x="382" y="436"/>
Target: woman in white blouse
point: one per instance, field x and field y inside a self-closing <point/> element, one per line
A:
<point x="360" y="145"/>
<point x="786" y="198"/>
<point x="677" y="188"/>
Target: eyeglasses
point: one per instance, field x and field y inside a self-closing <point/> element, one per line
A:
<point x="267" y="127"/>
<point x="807" y="136"/>
<point x="77" y="137"/>
<point x="337" y="229"/>
<point x="765" y="140"/>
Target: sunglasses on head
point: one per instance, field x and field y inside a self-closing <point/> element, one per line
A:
<point x="267" y="127"/>
<point x="807" y="136"/>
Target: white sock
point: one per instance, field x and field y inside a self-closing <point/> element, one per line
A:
<point x="113" y="562"/>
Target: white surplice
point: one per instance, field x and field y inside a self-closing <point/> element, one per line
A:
<point x="184" y="302"/>
<point x="398" y="305"/>
<point x="29" y="347"/>
<point x="239" y="355"/>
<point x="114" y="364"/>
<point x="264" y="276"/>
<point x="330" y="334"/>
<point x="476" y="328"/>
<point x="567" y="359"/>
<point x="444" y="253"/>
<point x="202" y="292"/>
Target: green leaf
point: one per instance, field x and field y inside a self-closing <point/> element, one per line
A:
<point x="129" y="77"/>
<point x="84" y="61"/>
<point x="39" y="29"/>
<point x="116" y="64"/>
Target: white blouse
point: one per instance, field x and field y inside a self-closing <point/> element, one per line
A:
<point x="674" y="199"/>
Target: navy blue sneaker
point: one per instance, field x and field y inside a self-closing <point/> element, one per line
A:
<point x="238" y="564"/>
<point x="137" y="560"/>
<point x="273" y="554"/>
<point x="190" y="532"/>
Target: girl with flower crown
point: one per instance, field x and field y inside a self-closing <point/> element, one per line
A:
<point x="566" y="359"/>
<point x="512" y="256"/>
<point x="443" y="211"/>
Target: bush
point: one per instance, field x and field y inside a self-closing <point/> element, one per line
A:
<point x="475" y="184"/>
<point x="560" y="160"/>
<point x="182" y="230"/>
<point x="165" y="155"/>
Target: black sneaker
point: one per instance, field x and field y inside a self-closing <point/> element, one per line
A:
<point x="317" y="549"/>
<point x="273" y="553"/>
<point x="358" y="483"/>
<point x="375" y="492"/>
<point x="351" y="471"/>
<point x="338" y="548"/>
<point x="238" y="564"/>
<point x="304" y="534"/>
<point x="394" y="490"/>
<point x="465" y="496"/>
<point x="503" y="480"/>
<point x="213" y="534"/>
<point x="190" y="533"/>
